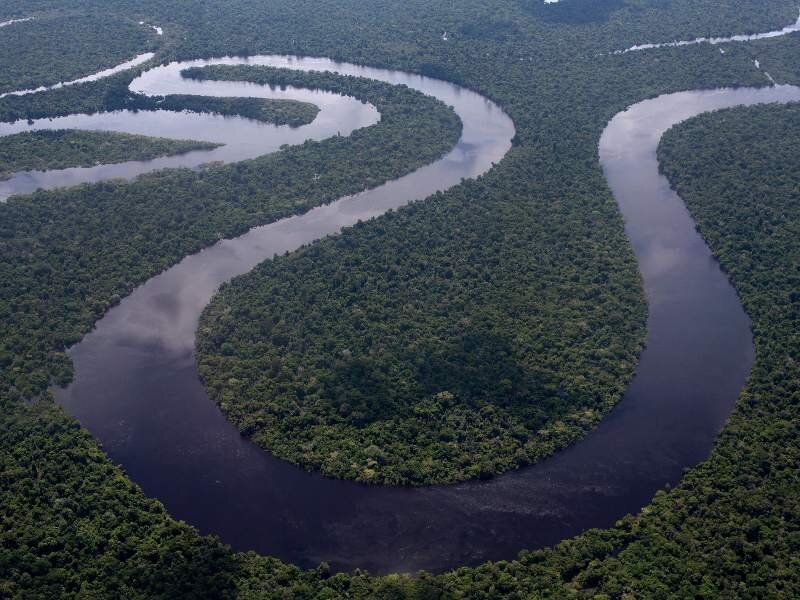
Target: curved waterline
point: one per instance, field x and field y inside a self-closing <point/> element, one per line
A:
<point x="159" y="319"/>
<point x="160" y="425"/>
<point x="140" y="59"/>
<point x="128" y="64"/>
<point x="794" y="27"/>
<point x="12" y="21"/>
<point x="240" y="138"/>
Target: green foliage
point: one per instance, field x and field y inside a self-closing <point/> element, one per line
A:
<point x="49" y="50"/>
<point x="279" y="112"/>
<point x="573" y="12"/>
<point x="724" y="524"/>
<point x="68" y="255"/>
<point x="427" y="346"/>
<point x="112" y="93"/>
<point x="732" y="527"/>
<point x="71" y="524"/>
<point x="779" y="58"/>
<point x="72" y="253"/>
<point x="63" y="148"/>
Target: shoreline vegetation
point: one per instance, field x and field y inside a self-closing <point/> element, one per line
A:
<point x="73" y="525"/>
<point x="367" y="358"/>
<point x="65" y="148"/>
<point x="293" y="113"/>
<point x="53" y="48"/>
<point x="113" y="224"/>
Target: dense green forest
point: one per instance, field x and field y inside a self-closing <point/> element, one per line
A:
<point x="63" y="148"/>
<point x="70" y="522"/>
<point x="731" y="529"/>
<point x="279" y="112"/>
<point x="52" y="49"/>
<point x="733" y="526"/>
<point x="779" y="58"/>
<point x="106" y="94"/>
<point x="68" y="255"/>
<point x="112" y="94"/>
<point x="426" y="346"/>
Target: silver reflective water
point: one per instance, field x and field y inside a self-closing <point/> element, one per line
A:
<point x="128" y="64"/>
<point x="241" y="138"/>
<point x="184" y="290"/>
<point x="137" y="388"/>
<point x="12" y="21"/>
<point x="792" y="28"/>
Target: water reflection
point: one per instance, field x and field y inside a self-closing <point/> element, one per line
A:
<point x="792" y="28"/>
<point x="137" y="389"/>
<point x="128" y="64"/>
<point x="241" y="138"/>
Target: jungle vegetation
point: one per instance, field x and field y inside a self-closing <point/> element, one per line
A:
<point x="278" y="112"/>
<point x="68" y="255"/>
<point x="63" y="148"/>
<point x="112" y="93"/>
<point x="71" y="523"/>
<point x="51" y="49"/>
<point x="731" y="528"/>
<point x="425" y="346"/>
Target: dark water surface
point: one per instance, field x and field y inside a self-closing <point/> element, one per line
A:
<point x="137" y="389"/>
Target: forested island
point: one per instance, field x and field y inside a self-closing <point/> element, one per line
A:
<point x="321" y="359"/>
<point x="73" y="525"/>
<point x="393" y="354"/>
<point x="63" y="148"/>
<point x="279" y="112"/>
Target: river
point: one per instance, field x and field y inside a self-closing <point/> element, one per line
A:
<point x="137" y="390"/>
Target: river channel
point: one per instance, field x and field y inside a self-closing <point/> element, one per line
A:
<point x="137" y="390"/>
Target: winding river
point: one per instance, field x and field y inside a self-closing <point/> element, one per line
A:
<point x="241" y="138"/>
<point x="137" y="390"/>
